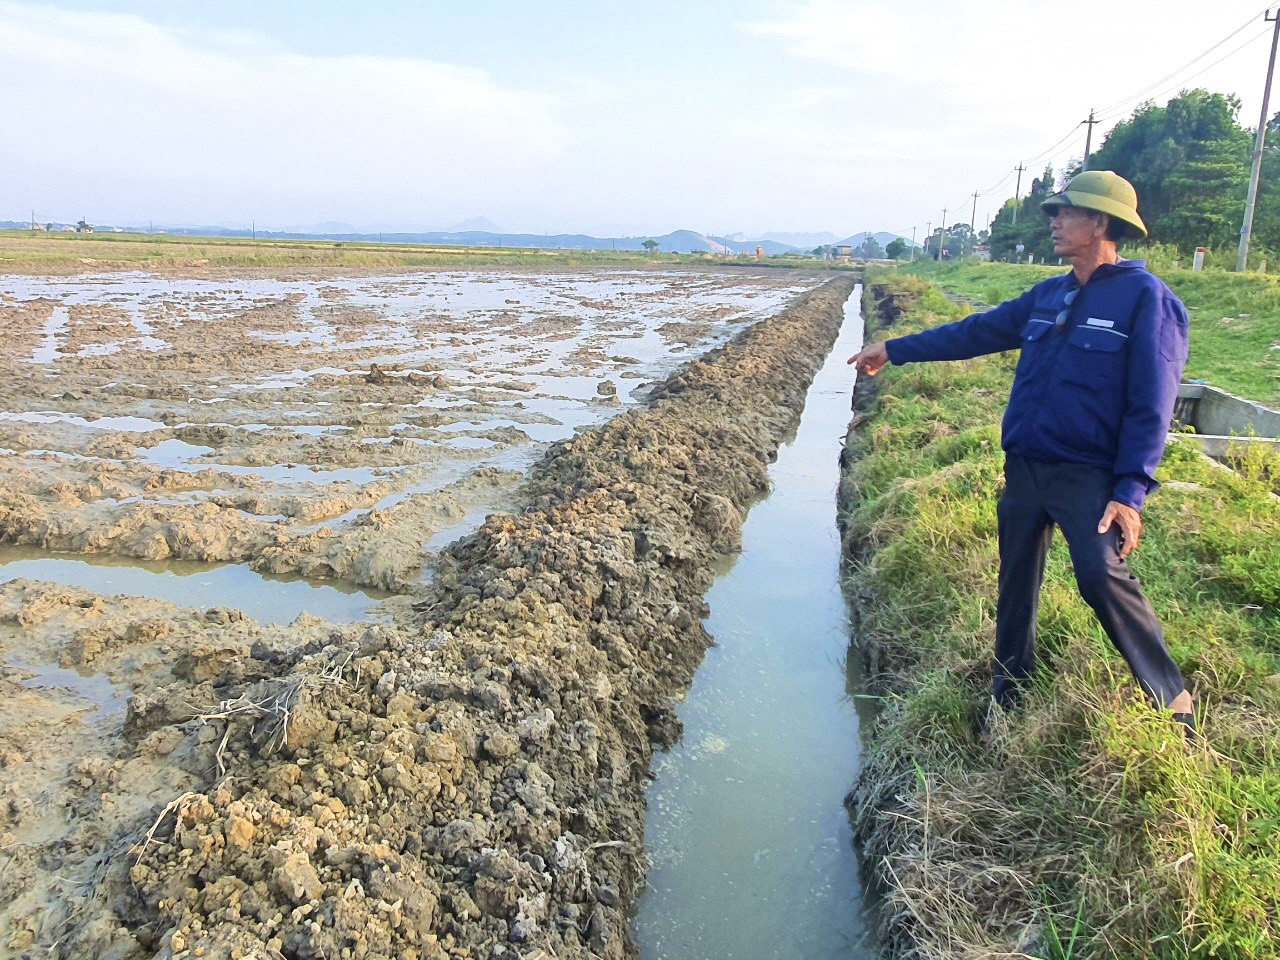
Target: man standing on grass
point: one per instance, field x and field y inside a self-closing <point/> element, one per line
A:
<point x="1102" y="352"/>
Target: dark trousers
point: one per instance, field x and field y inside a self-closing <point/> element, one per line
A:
<point x="1037" y="496"/>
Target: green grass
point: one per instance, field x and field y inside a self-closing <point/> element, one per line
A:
<point x="1235" y="318"/>
<point x="1087" y="827"/>
<point x="28" y="251"/>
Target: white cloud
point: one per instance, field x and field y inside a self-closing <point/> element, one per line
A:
<point x="929" y="100"/>
<point x="105" y="100"/>
<point x="861" y="36"/>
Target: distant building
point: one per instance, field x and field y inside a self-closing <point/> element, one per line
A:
<point x="843" y="251"/>
<point x="84" y="227"/>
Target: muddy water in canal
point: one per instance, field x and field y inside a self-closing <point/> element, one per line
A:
<point x="751" y="847"/>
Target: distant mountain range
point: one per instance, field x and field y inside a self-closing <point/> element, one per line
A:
<point x="679" y="241"/>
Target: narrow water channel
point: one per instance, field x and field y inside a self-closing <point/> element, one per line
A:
<point x="752" y="850"/>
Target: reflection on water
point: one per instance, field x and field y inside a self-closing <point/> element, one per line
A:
<point x="107" y="699"/>
<point x="267" y="599"/>
<point x="751" y="846"/>
<point x="123" y="424"/>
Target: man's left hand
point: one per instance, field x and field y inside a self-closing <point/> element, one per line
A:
<point x="1130" y="522"/>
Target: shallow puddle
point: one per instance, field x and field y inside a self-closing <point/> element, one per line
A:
<point x="267" y="599"/>
<point x="123" y="424"/>
<point x="103" y="699"/>
<point x="751" y="845"/>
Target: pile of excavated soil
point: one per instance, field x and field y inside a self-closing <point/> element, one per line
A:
<point x="467" y="779"/>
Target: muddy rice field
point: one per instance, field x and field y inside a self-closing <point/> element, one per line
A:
<point x="341" y="615"/>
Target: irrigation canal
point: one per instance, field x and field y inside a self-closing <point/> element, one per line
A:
<point x="752" y="850"/>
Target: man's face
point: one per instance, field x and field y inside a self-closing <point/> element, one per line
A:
<point x="1075" y="231"/>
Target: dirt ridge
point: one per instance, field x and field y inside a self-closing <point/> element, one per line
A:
<point x="471" y="781"/>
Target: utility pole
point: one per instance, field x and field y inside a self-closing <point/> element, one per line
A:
<point x="1017" y="190"/>
<point x="913" y="244"/>
<point x="973" y="218"/>
<point x="253" y="228"/>
<point x="1088" y="138"/>
<point x="942" y="237"/>
<point x="1242" y="258"/>
<point x="928" y="233"/>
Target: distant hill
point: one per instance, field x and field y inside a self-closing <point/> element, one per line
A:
<point x="678" y="241"/>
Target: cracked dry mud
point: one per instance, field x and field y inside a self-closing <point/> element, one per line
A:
<point x="464" y="778"/>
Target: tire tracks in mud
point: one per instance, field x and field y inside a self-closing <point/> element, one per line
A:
<point x="471" y="781"/>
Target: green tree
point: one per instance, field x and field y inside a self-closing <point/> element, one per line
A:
<point x="933" y="243"/>
<point x="960" y="240"/>
<point x="1189" y="161"/>
<point x="650" y="245"/>
<point x="869" y="249"/>
<point x="895" y="248"/>
<point x="1032" y="229"/>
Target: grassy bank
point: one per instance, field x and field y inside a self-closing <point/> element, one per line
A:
<point x="24" y="251"/>
<point x="1235" y="318"/>
<point x="1087" y="827"/>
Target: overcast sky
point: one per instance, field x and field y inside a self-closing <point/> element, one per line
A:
<point x="594" y="116"/>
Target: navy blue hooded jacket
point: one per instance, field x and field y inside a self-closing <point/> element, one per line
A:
<point x="1097" y="389"/>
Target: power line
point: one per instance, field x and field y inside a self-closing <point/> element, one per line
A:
<point x="1186" y="80"/>
<point x="1104" y="112"/>
<point x="997" y="184"/>
<point x="1065" y="151"/>
<point x="1111" y="110"/>
<point x="1168" y="76"/>
<point x="1070" y="133"/>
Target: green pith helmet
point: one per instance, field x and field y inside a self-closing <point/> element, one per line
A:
<point x="1104" y="191"/>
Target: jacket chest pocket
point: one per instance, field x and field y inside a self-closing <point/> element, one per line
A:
<point x="1094" y="357"/>
<point x="1038" y="327"/>
<point x="1037" y="335"/>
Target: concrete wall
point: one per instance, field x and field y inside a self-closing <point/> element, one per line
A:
<point x="1217" y="413"/>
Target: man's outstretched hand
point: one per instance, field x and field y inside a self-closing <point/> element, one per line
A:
<point x="870" y="359"/>
<point x="1130" y="522"/>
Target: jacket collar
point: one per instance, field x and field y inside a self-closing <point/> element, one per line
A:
<point x="1105" y="270"/>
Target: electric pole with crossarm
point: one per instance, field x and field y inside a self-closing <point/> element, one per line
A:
<point x="1242" y="259"/>
<point x="1088" y="139"/>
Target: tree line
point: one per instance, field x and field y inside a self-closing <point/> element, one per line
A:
<point x="1189" y="161"/>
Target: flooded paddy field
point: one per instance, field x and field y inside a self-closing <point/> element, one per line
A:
<point x="274" y="686"/>
<point x="327" y="428"/>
